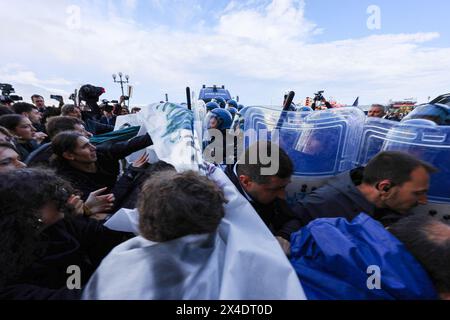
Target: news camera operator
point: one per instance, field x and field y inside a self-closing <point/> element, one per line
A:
<point x="91" y="112"/>
<point x="91" y="95"/>
<point x="319" y="99"/>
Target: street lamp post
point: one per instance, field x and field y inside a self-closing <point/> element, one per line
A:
<point x="121" y="81"/>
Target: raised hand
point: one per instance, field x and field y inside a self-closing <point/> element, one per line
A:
<point x="99" y="204"/>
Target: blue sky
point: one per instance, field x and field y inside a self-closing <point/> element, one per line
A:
<point x="258" y="49"/>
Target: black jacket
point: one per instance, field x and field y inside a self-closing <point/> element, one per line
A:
<point x="42" y="155"/>
<point x="25" y="148"/>
<point x="277" y="216"/>
<point x="70" y="242"/>
<point x="341" y="198"/>
<point x="107" y="167"/>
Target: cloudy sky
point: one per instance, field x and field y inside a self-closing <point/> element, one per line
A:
<point x="377" y="49"/>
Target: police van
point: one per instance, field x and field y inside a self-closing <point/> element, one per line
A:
<point x="209" y="93"/>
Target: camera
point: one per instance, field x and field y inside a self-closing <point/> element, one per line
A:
<point x="319" y="96"/>
<point x="90" y="93"/>
<point x="6" y="89"/>
<point x="6" y="97"/>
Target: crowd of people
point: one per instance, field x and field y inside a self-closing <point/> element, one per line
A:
<point x="58" y="187"/>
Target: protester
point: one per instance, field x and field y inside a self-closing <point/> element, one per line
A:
<point x="78" y="161"/>
<point x="41" y="237"/>
<point x="178" y="211"/>
<point x="24" y="132"/>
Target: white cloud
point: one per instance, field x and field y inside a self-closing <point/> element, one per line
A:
<point x="130" y="4"/>
<point x="260" y="51"/>
<point x="23" y="78"/>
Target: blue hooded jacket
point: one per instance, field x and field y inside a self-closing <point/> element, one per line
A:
<point x="334" y="259"/>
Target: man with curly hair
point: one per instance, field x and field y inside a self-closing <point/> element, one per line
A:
<point x="179" y="214"/>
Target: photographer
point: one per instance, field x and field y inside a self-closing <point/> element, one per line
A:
<point x="319" y="100"/>
<point x="91" y="95"/>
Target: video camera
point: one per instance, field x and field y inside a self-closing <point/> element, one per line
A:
<point x="319" y="96"/>
<point x="90" y="93"/>
<point x="6" y="96"/>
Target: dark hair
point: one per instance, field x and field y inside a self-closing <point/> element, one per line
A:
<point x="65" y="141"/>
<point x="22" y="194"/>
<point x="108" y="108"/>
<point x="394" y="166"/>
<point x="173" y="205"/>
<point x="68" y="108"/>
<point x="246" y="168"/>
<point x="11" y="121"/>
<point x="56" y="125"/>
<point x="376" y="105"/>
<point x="21" y="107"/>
<point x="34" y="96"/>
<point x="428" y="240"/>
<point x="5" y="110"/>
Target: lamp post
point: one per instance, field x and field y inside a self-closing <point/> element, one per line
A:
<point x="121" y="81"/>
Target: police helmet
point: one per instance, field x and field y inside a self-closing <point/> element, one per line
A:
<point x="223" y="117"/>
<point x="211" y="106"/>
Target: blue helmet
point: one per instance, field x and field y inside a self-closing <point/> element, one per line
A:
<point x="439" y="113"/>
<point x="232" y="110"/>
<point x="223" y="117"/>
<point x="305" y="109"/>
<point x="211" y="106"/>
<point x="240" y="107"/>
<point x="221" y="102"/>
<point x="232" y="103"/>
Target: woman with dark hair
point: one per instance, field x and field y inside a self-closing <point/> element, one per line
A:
<point x="23" y="130"/>
<point x="41" y="237"/>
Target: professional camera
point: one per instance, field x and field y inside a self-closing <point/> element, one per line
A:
<point x="319" y="96"/>
<point x="6" y="89"/>
<point x="90" y="93"/>
<point x="6" y="96"/>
